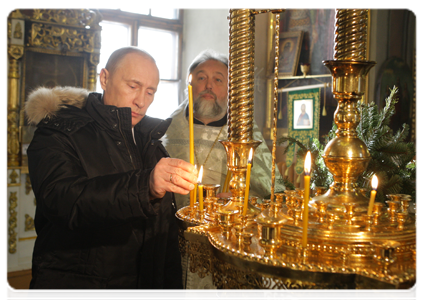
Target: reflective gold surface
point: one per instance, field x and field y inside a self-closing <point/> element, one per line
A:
<point x="346" y="247"/>
<point x="241" y="75"/>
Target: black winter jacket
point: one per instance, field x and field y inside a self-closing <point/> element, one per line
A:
<point x="96" y="227"/>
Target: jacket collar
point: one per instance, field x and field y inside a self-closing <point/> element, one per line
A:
<point x="46" y="103"/>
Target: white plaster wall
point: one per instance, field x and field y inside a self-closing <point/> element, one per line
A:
<point x="203" y="28"/>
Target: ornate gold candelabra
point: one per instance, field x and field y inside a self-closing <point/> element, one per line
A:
<point x="346" y="156"/>
<point x="346" y="247"/>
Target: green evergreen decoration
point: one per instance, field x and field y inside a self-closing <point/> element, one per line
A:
<point x="393" y="159"/>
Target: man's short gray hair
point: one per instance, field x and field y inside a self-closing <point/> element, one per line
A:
<point x="119" y="54"/>
<point x="205" y="56"/>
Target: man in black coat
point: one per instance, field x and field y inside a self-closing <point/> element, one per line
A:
<point x="104" y="184"/>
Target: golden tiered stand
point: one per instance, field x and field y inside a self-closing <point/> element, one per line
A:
<point x="346" y="247"/>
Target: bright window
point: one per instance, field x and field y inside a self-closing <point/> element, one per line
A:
<point x="159" y="32"/>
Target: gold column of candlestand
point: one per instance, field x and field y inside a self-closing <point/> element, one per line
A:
<point x="346" y="156"/>
<point x="13" y="145"/>
<point x="270" y="220"/>
<point x="240" y="105"/>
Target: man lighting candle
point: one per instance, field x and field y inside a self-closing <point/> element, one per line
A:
<point x="209" y="83"/>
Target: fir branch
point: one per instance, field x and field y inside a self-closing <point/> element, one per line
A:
<point x="392" y="157"/>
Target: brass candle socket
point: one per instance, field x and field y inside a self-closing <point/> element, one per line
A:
<point x="279" y="197"/>
<point x="210" y="190"/>
<point x="401" y="218"/>
<point x="269" y="224"/>
<point x="394" y="197"/>
<point x="320" y="190"/>
<point x="300" y="192"/>
<point x="349" y="212"/>
<point x="393" y="207"/>
<point x="297" y="216"/>
<point x="321" y="210"/>
<point x="226" y="220"/>
<point x="237" y="160"/>
<point x="405" y="204"/>
<point x="331" y="220"/>
<point x="368" y="220"/>
<point x="247" y="239"/>
<point x="377" y="212"/>
<point x="290" y="201"/>
<point x="298" y="202"/>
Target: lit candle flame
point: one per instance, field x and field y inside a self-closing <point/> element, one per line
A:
<point x="200" y="175"/>
<point x="189" y="78"/>
<point x="250" y="156"/>
<point x="307" y="164"/>
<point x="374" y="182"/>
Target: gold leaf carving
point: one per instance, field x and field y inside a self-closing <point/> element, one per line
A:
<point x="13" y="203"/>
<point x="29" y="223"/>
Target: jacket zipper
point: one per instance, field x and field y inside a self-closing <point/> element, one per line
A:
<point x="124" y="139"/>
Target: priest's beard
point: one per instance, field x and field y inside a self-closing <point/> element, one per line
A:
<point x="209" y="109"/>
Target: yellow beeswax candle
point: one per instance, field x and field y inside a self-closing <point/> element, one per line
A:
<point x="247" y="182"/>
<point x="227" y="179"/>
<point x="200" y="189"/>
<point x="307" y="167"/>
<point x="372" y="195"/>
<point x="191" y="134"/>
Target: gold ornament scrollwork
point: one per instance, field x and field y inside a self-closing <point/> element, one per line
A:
<point x="61" y="38"/>
<point x="74" y="17"/>
<point x="13" y="176"/>
<point x="13" y="145"/>
<point x="16" y="52"/>
<point x="13" y="203"/>
<point x="200" y="258"/>
<point x="226" y="276"/>
<point x="29" y="223"/>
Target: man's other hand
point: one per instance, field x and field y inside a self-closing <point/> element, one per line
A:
<point x="172" y="175"/>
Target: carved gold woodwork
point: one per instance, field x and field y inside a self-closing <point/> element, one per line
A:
<point x="75" y="35"/>
<point x="29" y="223"/>
<point x="63" y="39"/>
<point x="13" y="203"/>
<point x="14" y="177"/>
<point x="13" y="146"/>
<point x="75" y="17"/>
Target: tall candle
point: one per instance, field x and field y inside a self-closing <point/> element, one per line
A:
<point x="247" y="182"/>
<point x="191" y="134"/>
<point x="307" y="167"/>
<point x="200" y="189"/>
<point x="193" y="194"/>
<point x="227" y="179"/>
<point x="372" y="195"/>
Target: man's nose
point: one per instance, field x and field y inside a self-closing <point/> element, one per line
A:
<point x="209" y="84"/>
<point x="139" y="101"/>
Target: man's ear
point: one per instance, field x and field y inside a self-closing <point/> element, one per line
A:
<point x="104" y="78"/>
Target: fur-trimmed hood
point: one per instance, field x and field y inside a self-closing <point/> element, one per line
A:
<point x="45" y="102"/>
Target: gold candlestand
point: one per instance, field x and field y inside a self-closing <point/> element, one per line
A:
<point x="346" y="248"/>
